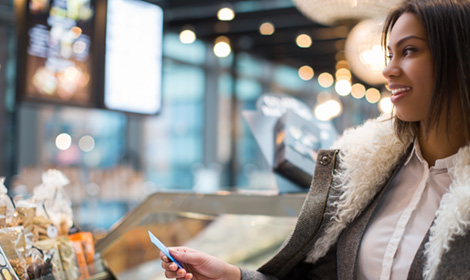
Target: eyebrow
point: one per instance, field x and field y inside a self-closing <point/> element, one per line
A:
<point x="406" y="38"/>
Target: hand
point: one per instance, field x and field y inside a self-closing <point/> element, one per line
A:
<point x="197" y="265"/>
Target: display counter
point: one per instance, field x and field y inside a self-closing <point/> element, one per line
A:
<point x="242" y="228"/>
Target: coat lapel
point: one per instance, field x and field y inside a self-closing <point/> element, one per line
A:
<point x="351" y="238"/>
<point x="453" y="215"/>
<point x="368" y="153"/>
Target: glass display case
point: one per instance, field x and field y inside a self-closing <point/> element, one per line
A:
<point x="242" y="228"/>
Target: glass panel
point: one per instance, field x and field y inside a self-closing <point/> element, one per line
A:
<point x="248" y="89"/>
<point x="225" y="85"/>
<point x="173" y="141"/>
<point x="287" y="78"/>
<point x="214" y="223"/>
<point x="250" y="66"/>
<point x="182" y="83"/>
<point x="74" y="136"/>
<point x="193" y="53"/>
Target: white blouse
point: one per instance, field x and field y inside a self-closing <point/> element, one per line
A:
<point x="403" y="218"/>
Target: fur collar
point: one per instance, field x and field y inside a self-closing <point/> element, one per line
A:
<point x="368" y="153"/>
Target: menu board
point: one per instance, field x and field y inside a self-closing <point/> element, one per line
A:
<point x="58" y="62"/>
<point x="133" y="59"/>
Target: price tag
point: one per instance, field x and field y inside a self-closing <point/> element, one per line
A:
<point x="52" y="231"/>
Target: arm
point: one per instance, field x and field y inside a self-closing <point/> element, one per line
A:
<point x="198" y="265"/>
<point x="201" y="266"/>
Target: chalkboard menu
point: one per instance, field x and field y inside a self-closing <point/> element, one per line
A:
<point x="57" y="63"/>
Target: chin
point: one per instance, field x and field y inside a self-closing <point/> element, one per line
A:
<point x="406" y="117"/>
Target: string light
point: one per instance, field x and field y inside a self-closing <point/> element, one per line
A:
<point x="386" y="105"/>
<point x="306" y="72"/>
<point x="266" y="28"/>
<point x="358" y="91"/>
<point x="373" y="95"/>
<point x="343" y="87"/>
<point x="303" y="41"/>
<point x="325" y="80"/>
<point x="328" y="110"/>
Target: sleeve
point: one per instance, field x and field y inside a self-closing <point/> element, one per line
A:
<point x="289" y="261"/>
<point x="324" y="269"/>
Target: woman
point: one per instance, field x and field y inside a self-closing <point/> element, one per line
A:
<point x="392" y="201"/>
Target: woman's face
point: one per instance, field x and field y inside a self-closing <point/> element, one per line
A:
<point x="410" y="71"/>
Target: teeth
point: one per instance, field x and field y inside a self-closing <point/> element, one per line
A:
<point x="398" y="90"/>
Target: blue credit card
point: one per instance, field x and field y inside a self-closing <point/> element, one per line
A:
<point x="163" y="248"/>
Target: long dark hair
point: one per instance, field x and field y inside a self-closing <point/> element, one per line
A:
<point x="447" y="27"/>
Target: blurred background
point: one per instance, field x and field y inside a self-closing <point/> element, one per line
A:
<point x="129" y="97"/>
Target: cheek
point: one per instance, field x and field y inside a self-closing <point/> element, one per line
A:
<point x="422" y="76"/>
<point x="416" y="106"/>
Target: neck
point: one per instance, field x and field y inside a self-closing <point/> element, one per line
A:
<point x="441" y="141"/>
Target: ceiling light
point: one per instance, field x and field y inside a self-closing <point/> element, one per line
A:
<point x="86" y="143"/>
<point x="306" y="72"/>
<point x="332" y="11"/>
<point x="187" y="36"/>
<point x="225" y="14"/>
<point x="222" y="47"/>
<point x="303" y="41"/>
<point x="266" y="28"/>
<point x="63" y="141"/>
<point x="364" y="51"/>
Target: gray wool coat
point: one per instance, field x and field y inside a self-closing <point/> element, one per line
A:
<point x="443" y="254"/>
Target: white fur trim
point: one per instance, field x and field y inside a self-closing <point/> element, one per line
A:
<point x="453" y="215"/>
<point x="368" y="153"/>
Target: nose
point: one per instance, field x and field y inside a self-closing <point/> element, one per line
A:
<point x="391" y="70"/>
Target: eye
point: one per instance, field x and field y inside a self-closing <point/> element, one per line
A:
<point x="408" y="50"/>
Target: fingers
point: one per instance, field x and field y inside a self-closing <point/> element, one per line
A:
<point x="169" y="265"/>
<point x="172" y="270"/>
<point x="180" y="274"/>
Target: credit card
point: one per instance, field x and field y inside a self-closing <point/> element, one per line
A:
<point x="163" y="248"/>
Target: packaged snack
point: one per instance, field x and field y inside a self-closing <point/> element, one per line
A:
<point x="86" y="239"/>
<point x="5" y="267"/>
<point x="24" y="215"/>
<point x="6" y="206"/>
<point x="56" y="206"/>
<point x="13" y="244"/>
<point x="39" y="265"/>
<point x="50" y="247"/>
<point x="43" y="228"/>
<point x="81" y="261"/>
<point x="68" y="258"/>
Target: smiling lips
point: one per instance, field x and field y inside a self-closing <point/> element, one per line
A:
<point x="399" y="92"/>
